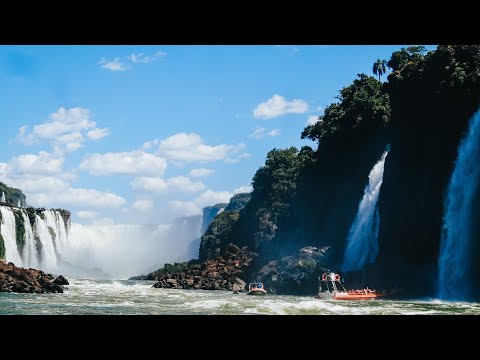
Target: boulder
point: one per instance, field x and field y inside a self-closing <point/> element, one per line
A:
<point x="60" y="280"/>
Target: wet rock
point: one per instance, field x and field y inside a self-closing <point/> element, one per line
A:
<point x="222" y="273"/>
<point x="16" y="279"/>
<point x="60" y="280"/>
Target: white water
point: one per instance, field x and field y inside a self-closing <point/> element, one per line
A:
<point x="49" y="258"/>
<point x="3" y="197"/>
<point x="362" y="242"/>
<point x="456" y="240"/>
<point x="99" y="251"/>
<point x="122" y="250"/>
<point x="29" y="254"/>
<point x="9" y="236"/>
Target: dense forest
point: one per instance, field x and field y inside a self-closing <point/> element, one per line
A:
<point x="309" y="197"/>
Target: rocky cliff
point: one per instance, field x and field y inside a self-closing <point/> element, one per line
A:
<point x="310" y="197"/>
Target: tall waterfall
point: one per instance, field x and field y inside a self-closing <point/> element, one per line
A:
<point x="29" y="253"/>
<point x="39" y="243"/>
<point x="3" y="197"/>
<point x="362" y="242"/>
<point x="454" y="260"/>
<point x="9" y="235"/>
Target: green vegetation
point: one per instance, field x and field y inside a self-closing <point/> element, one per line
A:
<point x="238" y="201"/>
<point x="19" y="230"/>
<point x="363" y="106"/>
<point x="2" y="246"/>
<point x="218" y="234"/>
<point x="379" y="68"/>
<point x="12" y="195"/>
<point x="309" y="197"/>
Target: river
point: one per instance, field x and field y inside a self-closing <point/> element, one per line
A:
<point x="122" y="297"/>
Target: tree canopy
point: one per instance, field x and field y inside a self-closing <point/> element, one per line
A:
<point x="363" y="104"/>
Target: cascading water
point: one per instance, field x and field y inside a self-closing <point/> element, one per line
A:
<point x="454" y="261"/>
<point x="9" y="235"/>
<point x="99" y="251"/>
<point x="3" y="197"/>
<point x="29" y="252"/>
<point x="49" y="258"/>
<point x="59" y="236"/>
<point x="362" y="242"/>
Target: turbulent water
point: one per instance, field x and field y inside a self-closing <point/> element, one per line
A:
<point x="362" y="242"/>
<point x="454" y="258"/>
<point x="137" y="297"/>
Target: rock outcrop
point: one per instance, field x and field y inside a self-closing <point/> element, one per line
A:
<point x="297" y="274"/>
<point x="20" y="280"/>
<point x="226" y="272"/>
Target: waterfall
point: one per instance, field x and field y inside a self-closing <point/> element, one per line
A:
<point x="362" y="242"/>
<point x="29" y="252"/>
<point x="454" y="260"/>
<point x="3" y="196"/>
<point x="49" y="257"/>
<point x="9" y="235"/>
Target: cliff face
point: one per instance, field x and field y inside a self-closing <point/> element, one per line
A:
<point x="220" y="230"/>
<point x="310" y="198"/>
<point x="12" y="195"/>
<point x="209" y="214"/>
<point x="432" y="102"/>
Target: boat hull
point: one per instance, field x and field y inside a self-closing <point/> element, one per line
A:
<point x="257" y="292"/>
<point x="368" y="296"/>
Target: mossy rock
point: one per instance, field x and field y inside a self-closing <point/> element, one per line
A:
<point x="2" y="247"/>
<point x="19" y="230"/>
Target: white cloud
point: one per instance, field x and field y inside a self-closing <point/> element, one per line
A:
<point x="211" y="197"/>
<point x="145" y="59"/>
<point x="30" y="183"/>
<point x="184" y="184"/>
<point x="274" y="132"/>
<point x="201" y="172"/>
<point x="124" y="163"/>
<point x="260" y="132"/>
<point x="113" y="65"/>
<point x="64" y="130"/>
<point x="97" y="134"/>
<point x="150" y="144"/>
<point x="277" y="105"/>
<point x="77" y="197"/>
<point x="151" y="184"/>
<point x="143" y="205"/>
<point x="184" y="208"/>
<point x="243" y="189"/>
<point x="160" y="186"/>
<point x="311" y="120"/>
<point x="183" y="147"/>
<point x="87" y="215"/>
<point x="43" y="163"/>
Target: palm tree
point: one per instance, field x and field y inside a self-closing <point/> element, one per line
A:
<point x="379" y="67"/>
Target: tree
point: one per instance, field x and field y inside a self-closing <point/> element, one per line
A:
<point x="380" y="68"/>
<point x="362" y="106"/>
<point x="405" y="55"/>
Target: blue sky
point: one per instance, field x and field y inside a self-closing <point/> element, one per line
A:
<point x="141" y="134"/>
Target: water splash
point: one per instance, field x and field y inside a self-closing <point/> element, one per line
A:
<point x="49" y="257"/>
<point x="454" y="261"/>
<point x="9" y="235"/>
<point x="362" y="242"/>
<point x="29" y="252"/>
